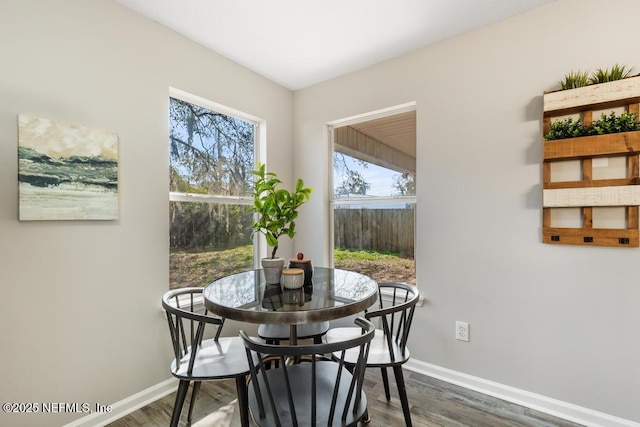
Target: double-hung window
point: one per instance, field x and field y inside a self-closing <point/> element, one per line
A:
<point x="211" y="153"/>
<point x="373" y="199"/>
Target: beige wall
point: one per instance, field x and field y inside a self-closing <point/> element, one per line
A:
<point x="558" y="321"/>
<point x="80" y="304"/>
<point x="81" y="316"/>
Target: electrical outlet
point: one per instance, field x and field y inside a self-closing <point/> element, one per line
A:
<point x="462" y="331"/>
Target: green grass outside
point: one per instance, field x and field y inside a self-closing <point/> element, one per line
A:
<point x="382" y="266"/>
<point x="198" y="268"/>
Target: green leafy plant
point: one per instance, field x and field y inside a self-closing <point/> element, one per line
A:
<point x="568" y="128"/>
<point x="616" y="72"/>
<point x="626" y="122"/>
<point x="276" y="207"/>
<point x="574" y="80"/>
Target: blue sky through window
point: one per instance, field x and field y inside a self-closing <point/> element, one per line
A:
<point x="380" y="179"/>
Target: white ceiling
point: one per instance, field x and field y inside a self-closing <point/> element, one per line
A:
<point x="297" y="43"/>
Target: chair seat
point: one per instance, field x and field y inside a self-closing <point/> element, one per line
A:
<point x="300" y="376"/>
<point x="378" y="352"/>
<point x="281" y="332"/>
<point x="225" y="358"/>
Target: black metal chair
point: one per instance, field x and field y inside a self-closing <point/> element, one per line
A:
<point x="397" y="303"/>
<point x="198" y="359"/>
<point x="273" y="334"/>
<point x="315" y="391"/>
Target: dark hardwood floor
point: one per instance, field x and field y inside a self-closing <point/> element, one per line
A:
<point x="433" y="403"/>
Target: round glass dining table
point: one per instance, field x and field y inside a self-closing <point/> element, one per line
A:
<point x="332" y="294"/>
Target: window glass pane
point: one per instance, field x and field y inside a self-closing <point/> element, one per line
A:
<point x="355" y="178"/>
<point x="210" y="153"/>
<point x="208" y="241"/>
<point x="377" y="240"/>
<point x="374" y="164"/>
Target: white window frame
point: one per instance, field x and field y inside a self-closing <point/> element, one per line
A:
<point x="370" y="200"/>
<point x="259" y="131"/>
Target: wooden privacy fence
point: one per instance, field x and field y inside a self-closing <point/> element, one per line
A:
<point x="375" y="229"/>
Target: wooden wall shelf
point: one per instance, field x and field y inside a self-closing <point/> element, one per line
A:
<point x="628" y="195"/>
<point x="613" y="144"/>
<point x="592" y="237"/>
<point x="592" y="97"/>
<point x="588" y="193"/>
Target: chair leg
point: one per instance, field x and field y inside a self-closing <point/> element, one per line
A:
<point x="183" y="387"/>
<point x="194" y="396"/>
<point x="366" y="419"/>
<point x="385" y="382"/>
<point x="243" y="400"/>
<point x="402" y="391"/>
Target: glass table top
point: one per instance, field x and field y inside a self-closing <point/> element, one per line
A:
<point x="333" y="293"/>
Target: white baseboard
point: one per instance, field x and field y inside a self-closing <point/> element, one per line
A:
<point x="127" y="405"/>
<point x="534" y="401"/>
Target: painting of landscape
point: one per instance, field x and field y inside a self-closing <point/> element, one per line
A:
<point x="66" y="171"/>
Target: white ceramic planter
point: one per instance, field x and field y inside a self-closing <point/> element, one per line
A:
<point x="272" y="269"/>
<point x="292" y="278"/>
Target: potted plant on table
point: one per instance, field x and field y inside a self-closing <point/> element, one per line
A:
<point x="276" y="209"/>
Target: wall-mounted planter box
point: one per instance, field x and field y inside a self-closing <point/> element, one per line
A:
<point x="613" y="144"/>
<point x="592" y="97"/>
<point x="588" y="193"/>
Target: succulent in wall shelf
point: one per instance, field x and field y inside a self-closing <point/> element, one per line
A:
<point x="568" y="128"/>
<point x="576" y="79"/>
<point x="606" y="124"/>
<point x="616" y="72"/>
<point x="626" y="122"/>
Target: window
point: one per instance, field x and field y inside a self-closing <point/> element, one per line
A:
<point x="210" y="156"/>
<point x="374" y="199"/>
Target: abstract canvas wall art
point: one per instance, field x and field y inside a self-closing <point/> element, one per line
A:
<point x="66" y="171"/>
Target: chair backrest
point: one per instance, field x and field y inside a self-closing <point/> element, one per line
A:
<point x="308" y="387"/>
<point x="187" y="319"/>
<point x="397" y="303"/>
